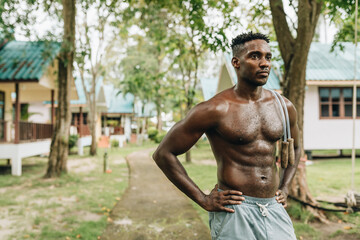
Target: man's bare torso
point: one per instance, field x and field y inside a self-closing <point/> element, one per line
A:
<point x="244" y="141"/>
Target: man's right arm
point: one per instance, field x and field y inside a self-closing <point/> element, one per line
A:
<point x="180" y="139"/>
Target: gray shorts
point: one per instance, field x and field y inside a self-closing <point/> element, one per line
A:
<point x="254" y="219"/>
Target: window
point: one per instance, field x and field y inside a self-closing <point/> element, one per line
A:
<point x="337" y="102"/>
<point x="75" y="118"/>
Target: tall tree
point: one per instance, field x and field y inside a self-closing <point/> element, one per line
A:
<point x="154" y="20"/>
<point x="93" y="38"/>
<point x="294" y="48"/>
<point x="294" y="35"/>
<point x="193" y="33"/>
<point x="197" y="35"/>
<point x="59" y="144"/>
<point x="140" y="69"/>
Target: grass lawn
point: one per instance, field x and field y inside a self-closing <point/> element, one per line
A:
<point x="75" y="206"/>
<point x="325" y="178"/>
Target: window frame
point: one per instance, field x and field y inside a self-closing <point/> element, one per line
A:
<point x="341" y="103"/>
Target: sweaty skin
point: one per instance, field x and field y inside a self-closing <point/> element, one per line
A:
<point x="242" y="124"/>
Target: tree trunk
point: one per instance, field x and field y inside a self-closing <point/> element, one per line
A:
<point x="93" y="146"/>
<point x="159" y="120"/>
<point x="294" y="52"/>
<point x="59" y="149"/>
<point x="138" y="132"/>
<point x="143" y="127"/>
<point x="93" y="121"/>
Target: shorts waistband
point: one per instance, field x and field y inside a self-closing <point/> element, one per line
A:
<point x="255" y="200"/>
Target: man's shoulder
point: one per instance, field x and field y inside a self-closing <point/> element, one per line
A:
<point x="218" y="103"/>
<point x="215" y="107"/>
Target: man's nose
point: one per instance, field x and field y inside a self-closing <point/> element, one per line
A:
<point x="264" y="63"/>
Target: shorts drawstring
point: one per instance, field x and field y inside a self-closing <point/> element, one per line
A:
<point x="264" y="211"/>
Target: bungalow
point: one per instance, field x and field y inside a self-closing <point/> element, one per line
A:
<point x="121" y="112"/>
<point x="80" y="111"/>
<point x="328" y="95"/>
<point x="119" y="115"/>
<point x="28" y="69"/>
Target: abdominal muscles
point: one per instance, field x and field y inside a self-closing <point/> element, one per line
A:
<point x="255" y="181"/>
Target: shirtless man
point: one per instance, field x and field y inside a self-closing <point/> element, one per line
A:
<point x="242" y="124"/>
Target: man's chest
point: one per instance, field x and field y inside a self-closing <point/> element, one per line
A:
<point x="245" y="123"/>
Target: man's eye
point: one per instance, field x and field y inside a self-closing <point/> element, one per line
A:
<point x="254" y="56"/>
<point x="268" y="58"/>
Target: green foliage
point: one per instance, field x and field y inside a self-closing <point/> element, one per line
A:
<point x="347" y="32"/>
<point x="340" y="8"/>
<point x="114" y="143"/>
<point x="181" y="33"/>
<point x="159" y="137"/>
<point x="152" y="133"/>
<point x="112" y="123"/>
<point x="72" y="140"/>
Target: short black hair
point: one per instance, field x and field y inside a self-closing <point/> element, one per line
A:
<point x="241" y="39"/>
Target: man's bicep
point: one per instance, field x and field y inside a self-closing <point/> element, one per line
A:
<point x="185" y="133"/>
<point x="182" y="137"/>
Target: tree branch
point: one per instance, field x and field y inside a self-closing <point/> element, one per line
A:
<point x="287" y="41"/>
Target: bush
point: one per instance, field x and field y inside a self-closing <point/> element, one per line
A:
<point x="159" y="137"/>
<point x="72" y="140"/>
<point x="152" y="133"/>
<point x="114" y="143"/>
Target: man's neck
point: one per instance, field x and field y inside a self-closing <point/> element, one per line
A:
<point x="248" y="92"/>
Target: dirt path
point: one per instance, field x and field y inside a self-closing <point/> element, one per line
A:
<point x="152" y="208"/>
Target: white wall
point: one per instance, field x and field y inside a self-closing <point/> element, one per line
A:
<point x="16" y="152"/>
<point x="325" y="133"/>
<point x="41" y="113"/>
<point x="127" y="127"/>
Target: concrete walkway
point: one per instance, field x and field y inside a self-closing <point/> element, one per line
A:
<point x="152" y="208"/>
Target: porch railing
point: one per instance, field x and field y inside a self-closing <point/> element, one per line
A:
<point x="34" y="131"/>
<point x="82" y="130"/>
<point x="2" y="131"/>
<point x="118" y="131"/>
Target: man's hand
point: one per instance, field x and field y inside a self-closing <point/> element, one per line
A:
<point x="216" y="200"/>
<point x="281" y="197"/>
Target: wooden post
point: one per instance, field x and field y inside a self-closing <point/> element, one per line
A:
<point x="52" y="107"/>
<point x="81" y="122"/>
<point x="17" y="114"/>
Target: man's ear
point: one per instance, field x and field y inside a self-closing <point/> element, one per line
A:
<point x="235" y="62"/>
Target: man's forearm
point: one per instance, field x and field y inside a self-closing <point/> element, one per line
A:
<point x="176" y="173"/>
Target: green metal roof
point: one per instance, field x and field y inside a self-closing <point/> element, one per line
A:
<point x="26" y="61"/>
<point x="118" y="103"/>
<point x="337" y="65"/>
<point x="80" y="90"/>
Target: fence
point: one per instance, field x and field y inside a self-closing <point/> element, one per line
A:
<point x="34" y="131"/>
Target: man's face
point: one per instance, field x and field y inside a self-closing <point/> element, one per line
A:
<point x="253" y="62"/>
